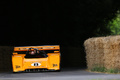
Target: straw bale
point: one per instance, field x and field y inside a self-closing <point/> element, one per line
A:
<point x="103" y="51"/>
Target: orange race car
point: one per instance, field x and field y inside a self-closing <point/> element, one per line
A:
<point x="36" y="58"/>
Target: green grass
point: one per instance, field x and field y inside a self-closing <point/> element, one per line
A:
<point x="99" y="69"/>
<point x="103" y="69"/>
<point x="113" y="70"/>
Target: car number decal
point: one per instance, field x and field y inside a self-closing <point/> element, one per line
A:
<point x="35" y="64"/>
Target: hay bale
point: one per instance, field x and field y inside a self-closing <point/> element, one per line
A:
<point x="103" y="51"/>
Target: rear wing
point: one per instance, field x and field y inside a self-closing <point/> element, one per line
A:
<point x="25" y="48"/>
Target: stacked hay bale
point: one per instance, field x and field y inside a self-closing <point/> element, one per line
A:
<point x="103" y="52"/>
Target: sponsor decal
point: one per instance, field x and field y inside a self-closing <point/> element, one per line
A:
<point x="48" y="47"/>
<point x="17" y="66"/>
<point x="55" y="65"/>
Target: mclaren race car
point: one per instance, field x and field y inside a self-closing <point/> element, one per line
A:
<point x="36" y="58"/>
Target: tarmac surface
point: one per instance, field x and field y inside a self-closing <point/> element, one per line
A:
<point x="65" y="74"/>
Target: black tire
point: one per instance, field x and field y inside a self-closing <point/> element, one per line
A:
<point x="15" y="72"/>
<point x="58" y="70"/>
<point x="18" y="72"/>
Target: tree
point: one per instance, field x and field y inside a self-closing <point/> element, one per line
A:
<point x="115" y="25"/>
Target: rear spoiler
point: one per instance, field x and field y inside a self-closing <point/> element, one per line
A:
<point x="25" y="48"/>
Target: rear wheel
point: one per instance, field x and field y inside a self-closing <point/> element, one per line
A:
<point x="58" y="70"/>
<point x="16" y="72"/>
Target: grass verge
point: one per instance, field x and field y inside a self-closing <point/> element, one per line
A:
<point x="103" y="69"/>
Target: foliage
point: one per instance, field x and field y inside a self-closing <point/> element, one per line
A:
<point x="103" y="69"/>
<point x="99" y="69"/>
<point x="115" y="25"/>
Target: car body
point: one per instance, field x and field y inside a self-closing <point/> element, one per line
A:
<point x="46" y="58"/>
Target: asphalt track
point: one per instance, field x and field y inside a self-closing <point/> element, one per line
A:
<point x="65" y="74"/>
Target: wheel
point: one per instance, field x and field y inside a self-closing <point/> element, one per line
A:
<point x="15" y="72"/>
<point x="58" y="70"/>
